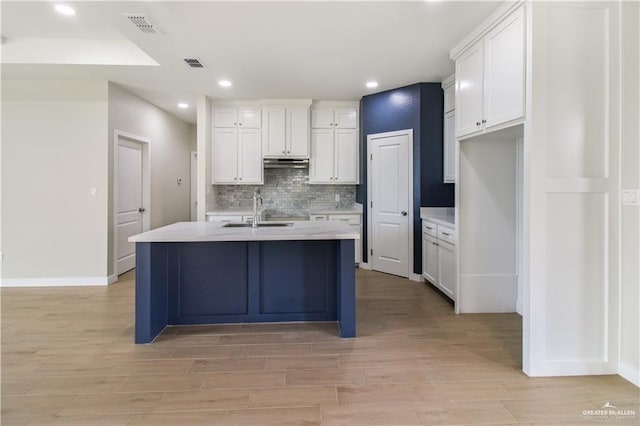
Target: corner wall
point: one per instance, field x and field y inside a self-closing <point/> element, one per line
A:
<point x="54" y="143"/>
<point x="169" y="150"/>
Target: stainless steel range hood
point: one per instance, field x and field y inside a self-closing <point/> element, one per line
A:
<point x="286" y="163"/>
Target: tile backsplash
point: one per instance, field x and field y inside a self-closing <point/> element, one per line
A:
<point x="286" y="192"/>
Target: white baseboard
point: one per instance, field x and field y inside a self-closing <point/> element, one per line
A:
<point x="365" y="265"/>
<point x="416" y="277"/>
<point x="57" y="282"/>
<point x="571" y="368"/>
<point x="112" y="279"/>
<point x="630" y="373"/>
<point x="519" y="308"/>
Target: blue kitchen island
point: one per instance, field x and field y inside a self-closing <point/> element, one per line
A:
<point x="210" y="273"/>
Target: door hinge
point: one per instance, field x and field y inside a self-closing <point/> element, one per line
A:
<point x="371" y="252"/>
<point x="371" y="156"/>
<point x="371" y="204"/>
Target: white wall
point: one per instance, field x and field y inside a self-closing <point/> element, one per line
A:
<point x="169" y="150"/>
<point x="630" y="178"/>
<point x="54" y="143"/>
<point x="205" y="190"/>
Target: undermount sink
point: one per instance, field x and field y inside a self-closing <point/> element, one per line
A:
<point x="260" y="225"/>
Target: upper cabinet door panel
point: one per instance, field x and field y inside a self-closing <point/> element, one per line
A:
<point x="250" y="156"/>
<point x="298" y="132"/>
<point x="345" y="118"/>
<point x="322" y="118"/>
<point x="225" y="117"/>
<point x="249" y="117"/>
<point x="346" y="156"/>
<point x="273" y="132"/>
<point x="449" y="148"/>
<point x="449" y="98"/>
<point x="469" y="90"/>
<point x="504" y="71"/>
<point x="322" y="156"/>
<point x="225" y="155"/>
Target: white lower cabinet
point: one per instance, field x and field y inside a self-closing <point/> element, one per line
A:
<point x="354" y="220"/>
<point x="439" y="257"/>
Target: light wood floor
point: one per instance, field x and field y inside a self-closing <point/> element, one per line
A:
<point x="68" y="358"/>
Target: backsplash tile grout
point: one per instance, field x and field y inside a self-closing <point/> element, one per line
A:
<point x="286" y="192"/>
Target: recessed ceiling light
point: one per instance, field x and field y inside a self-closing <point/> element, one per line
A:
<point x="63" y="9"/>
<point x="372" y="84"/>
<point x="183" y="105"/>
<point x="224" y="83"/>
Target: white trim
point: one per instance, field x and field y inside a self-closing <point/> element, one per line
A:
<point x="146" y="186"/>
<point x="112" y="278"/>
<point x="364" y="265"/>
<point x="407" y="132"/>
<point x="416" y="277"/>
<point x="630" y="373"/>
<point x="193" y="190"/>
<point x="56" y="282"/>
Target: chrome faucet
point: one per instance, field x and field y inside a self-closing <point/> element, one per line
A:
<point x="256" y="197"/>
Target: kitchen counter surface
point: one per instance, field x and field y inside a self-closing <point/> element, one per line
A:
<point x="441" y="220"/>
<point x="440" y="215"/>
<point x="205" y="231"/>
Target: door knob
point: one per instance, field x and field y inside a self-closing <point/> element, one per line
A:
<point x="403" y="213"/>
<point x="141" y="209"/>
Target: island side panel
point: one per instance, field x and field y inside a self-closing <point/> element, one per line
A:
<point x="346" y="286"/>
<point x="151" y="291"/>
<point x="297" y="280"/>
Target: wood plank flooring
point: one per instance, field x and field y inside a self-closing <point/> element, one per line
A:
<point x="68" y="358"/>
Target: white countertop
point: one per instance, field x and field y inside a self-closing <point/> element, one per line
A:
<point x="206" y="231"/>
<point x="440" y="215"/>
<point x="236" y="212"/>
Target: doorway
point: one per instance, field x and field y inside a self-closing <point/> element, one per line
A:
<point x="131" y="191"/>
<point x="390" y="184"/>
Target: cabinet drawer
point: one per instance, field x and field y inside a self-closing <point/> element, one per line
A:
<point x="317" y="217"/>
<point x="430" y="228"/>
<point x="446" y="234"/>
<point x="351" y="219"/>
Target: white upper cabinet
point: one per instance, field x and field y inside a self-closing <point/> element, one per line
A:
<point x="490" y="79"/>
<point x="334" y="118"/>
<point x="245" y="117"/>
<point x="449" y="131"/>
<point x="469" y="82"/>
<point x="334" y="146"/>
<point x="285" y="132"/>
<point x="237" y="146"/>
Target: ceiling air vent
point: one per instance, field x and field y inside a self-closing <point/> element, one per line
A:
<point x="143" y="23"/>
<point x="193" y="62"/>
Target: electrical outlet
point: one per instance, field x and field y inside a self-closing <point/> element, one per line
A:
<point x="337" y="198"/>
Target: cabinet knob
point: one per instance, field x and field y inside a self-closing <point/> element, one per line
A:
<point x="239" y="178"/>
<point x="235" y="124"/>
<point x="288" y="152"/>
<point x="283" y="152"/>
<point x="484" y="121"/>
<point x="241" y="124"/>
<point x="477" y="123"/>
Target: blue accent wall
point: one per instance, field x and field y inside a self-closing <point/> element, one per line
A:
<point x="419" y="107"/>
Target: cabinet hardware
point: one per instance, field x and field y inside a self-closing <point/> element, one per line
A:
<point x="403" y="213"/>
<point x="484" y="121"/>
<point x="283" y="152"/>
<point x="444" y="233"/>
<point x="240" y="124"/>
<point x="288" y="152"/>
<point x="235" y="124"/>
<point x="477" y="123"/>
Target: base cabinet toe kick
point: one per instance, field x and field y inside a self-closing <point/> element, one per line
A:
<point x="213" y="282"/>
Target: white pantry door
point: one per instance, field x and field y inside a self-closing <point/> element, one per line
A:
<point x="389" y="168"/>
<point x="130" y="208"/>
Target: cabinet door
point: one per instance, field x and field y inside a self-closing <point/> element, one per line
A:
<point x="298" y="132"/>
<point x="346" y="156"/>
<point x="225" y="117"/>
<point x="447" y="269"/>
<point x="504" y="71"/>
<point x="429" y="259"/>
<point x="250" y="156"/>
<point x="322" y="154"/>
<point x="225" y="155"/>
<point x="322" y="118"/>
<point x="345" y="118"/>
<point x="273" y="132"/>
<point x="449" y="148"/>
<point x="249" y="117"/>
<point x="469" y="90"/>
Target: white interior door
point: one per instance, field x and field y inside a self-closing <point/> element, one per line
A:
<point x="130" y="207"/>
<point x="389" y="171"/>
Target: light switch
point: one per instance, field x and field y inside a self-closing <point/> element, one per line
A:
<point x="93" y="191"/>
<point x="630" y="197"/>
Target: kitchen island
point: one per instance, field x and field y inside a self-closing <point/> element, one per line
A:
<point x="209" y="273"/>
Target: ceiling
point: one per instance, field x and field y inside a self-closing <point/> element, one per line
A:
<point x="284" y="50"/>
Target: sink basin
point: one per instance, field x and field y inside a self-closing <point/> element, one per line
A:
<point x="260" y="225"/>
